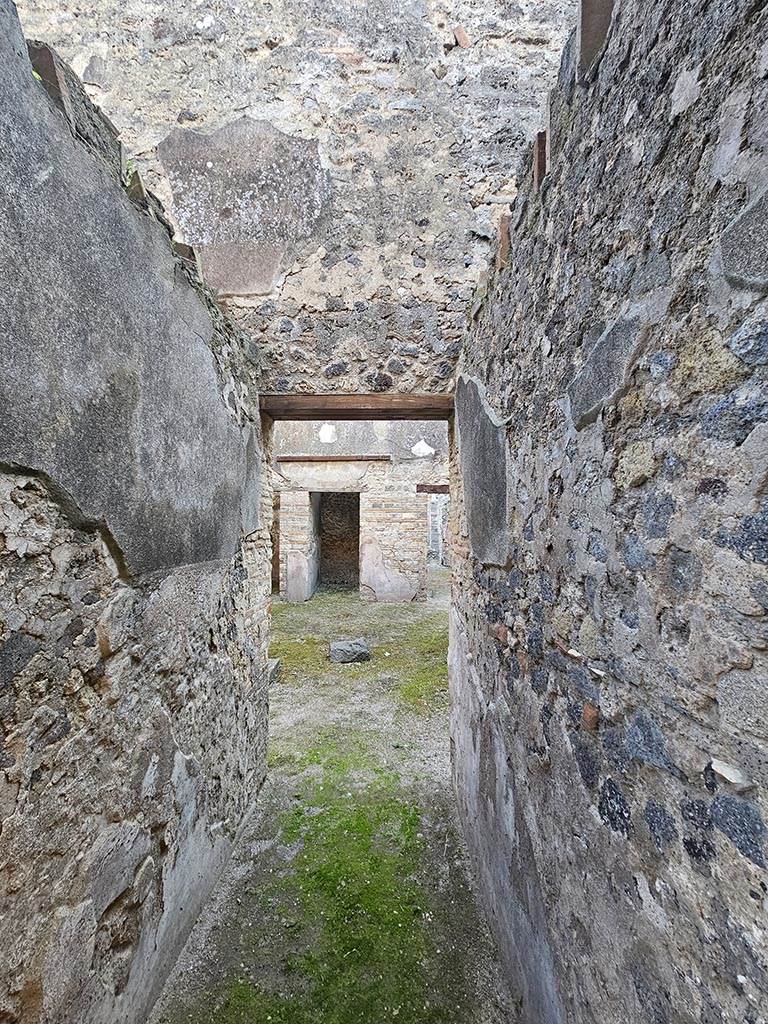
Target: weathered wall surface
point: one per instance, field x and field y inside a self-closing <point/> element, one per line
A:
<point x="376" y="150"/>
<point x="422" y="444"/>
<point x="133" y="571"/>
<point x="609" y="639"/>
<point x="393" y="542"/>
<point x="299" y="524"/>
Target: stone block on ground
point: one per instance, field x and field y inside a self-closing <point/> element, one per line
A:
<point x="345" y="651"/>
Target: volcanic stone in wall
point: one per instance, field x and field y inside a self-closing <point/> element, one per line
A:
<point x="422" y="137"/>
<point x="609" y="707"/>
<point x="246" y="196"/>
<point x="603" y="376"/>
<point x="745" y="246"/>
<point x="132" y="718"/>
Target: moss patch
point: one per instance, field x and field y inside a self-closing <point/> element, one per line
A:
<point x="306" y="656"/>
<point x="408" y="642"/>
<point x="359" y="946"/>
<point x="420" y="660"/>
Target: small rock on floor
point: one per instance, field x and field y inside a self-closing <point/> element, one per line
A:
<point x="349" y="650"/>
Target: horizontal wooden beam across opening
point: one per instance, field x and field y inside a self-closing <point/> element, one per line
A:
<point x="357" y="407"/>
<point x="333" y="458"/>
<point x="432" y="489"/>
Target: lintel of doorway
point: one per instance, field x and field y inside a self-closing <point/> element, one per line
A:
<point x="333" y="458"/>
<point x="357" y="407"/>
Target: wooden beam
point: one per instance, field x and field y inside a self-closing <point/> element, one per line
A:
<point x="333" y="458"/>
<point x="432" y="489"/>
<point x="357" y="407"/>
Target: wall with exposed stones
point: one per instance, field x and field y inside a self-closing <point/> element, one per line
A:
<point x="608" y="651"/>
<point x="340" y="168"/>
<point x="133" y="568"/>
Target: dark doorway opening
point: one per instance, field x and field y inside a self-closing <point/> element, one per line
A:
<point x="340" y="539"/>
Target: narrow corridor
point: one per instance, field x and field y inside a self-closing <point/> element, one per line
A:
<point x="348" y="899"/>
<point x="294" y="298"/>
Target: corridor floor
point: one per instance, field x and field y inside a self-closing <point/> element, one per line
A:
<point x="347" y="900"/>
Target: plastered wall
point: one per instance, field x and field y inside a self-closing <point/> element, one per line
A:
<point x="134" y="550"/>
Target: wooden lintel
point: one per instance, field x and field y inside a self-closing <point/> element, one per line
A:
<point x="333" y="458"/>
<point x="357" y="407"/>
<point x="432" y="489"/>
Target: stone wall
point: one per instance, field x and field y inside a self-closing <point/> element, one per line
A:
<point x="608" y="663"/>
<point x="133" y="569"/>
<point x="341" y="168"/>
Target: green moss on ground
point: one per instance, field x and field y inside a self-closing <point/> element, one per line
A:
<point x="300" y="658"/>
<point x="354" y="882"/>
<point x="420" y="661"/>
<point x="409" y="644"/>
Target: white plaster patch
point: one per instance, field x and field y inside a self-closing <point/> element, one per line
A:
<point x="650" y="905"/>
<point x="422" y="449"/>
<point x="725" y="163"/>
<point x="379" y="581"/>
<point x="327" y="433"/>
<point x="149" y="784"/>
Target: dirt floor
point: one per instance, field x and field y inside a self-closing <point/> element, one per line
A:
<point x="347" y="900"/>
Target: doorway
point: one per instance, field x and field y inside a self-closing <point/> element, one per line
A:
<point x="339" y="529"/>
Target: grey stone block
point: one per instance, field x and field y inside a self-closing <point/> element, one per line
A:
<point x="744" y="246"/>
<point x="344" y="651"/>
<point x="603" y="378"/>
<point x="483" y="458"/>
<point x="245" y="196"/>
<point x="750" y="343"/>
